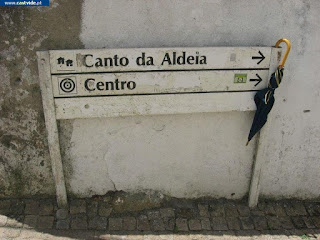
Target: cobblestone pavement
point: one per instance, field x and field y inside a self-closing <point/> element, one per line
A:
<point x="96" y="219"/>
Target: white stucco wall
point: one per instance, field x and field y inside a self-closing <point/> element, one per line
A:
<point x="197" y="155"/>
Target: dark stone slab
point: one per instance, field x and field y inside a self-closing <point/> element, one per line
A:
<point x="260" y="223"/>
<point x="219" y="224"/>
<point x="182" y="224"/>
<point x="115" y="224"/>
<point x="79" y="222"/>
<point x="194" y="224"/>
<point x="246" y="223"/>
<point x="45" y="222"/>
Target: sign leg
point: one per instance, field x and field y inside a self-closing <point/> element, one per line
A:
<point x="52" y="129"/>
<point x="261" y="155"/>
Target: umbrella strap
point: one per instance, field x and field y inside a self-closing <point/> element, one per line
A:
<point x="278" y="76"/>
<point x="267" y="96"/>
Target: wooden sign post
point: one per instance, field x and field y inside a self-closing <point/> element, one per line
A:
<point x="124" y="82"/>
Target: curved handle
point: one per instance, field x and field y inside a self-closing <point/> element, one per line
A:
<point x="284" y="59"/>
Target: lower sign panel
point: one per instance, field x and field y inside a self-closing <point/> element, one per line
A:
<point x="89" y="107"/>
<point x="134" y="83"/>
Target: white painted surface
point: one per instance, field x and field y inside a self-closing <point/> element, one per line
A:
<point x="119" y="106"/>
<point x="52" y="128"/>
<point x="182" y="161"/>
<point x="204" y="154"/>
<point x="261" y="152"/>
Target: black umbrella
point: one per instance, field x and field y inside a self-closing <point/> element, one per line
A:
<point x="264" y="99"/>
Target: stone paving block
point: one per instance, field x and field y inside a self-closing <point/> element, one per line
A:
<point x="115" y="224"/>
<point x="186" y="213"/>
<point x="316" y="221"/>
<point x="231" y="210"/>
<point x="32" y="207"/>
<point x="5" y="206"/>
<point x="279" y="210"/>
<point x="15" y="222"/>
<point x="244" y="210"/>
<point x="295" y="209"/>
<point x="205" y="224"/>
<point x="269" y="210"/>
<point x="182" y="225"/>
<point x="219" y="224"/>
<point x="260" y="223"/>
<point x="62" y="214"/>
<point x="203" y="210"/>
<point x="308" y="221"/>
<point x="92" y="208"/>
<point x="30" y="221"/>
<point x="129" y="223"/>
<point x="45" y="207"/>
<point x="298" y="222"/>
<point x="246" y="223"/>
<point x="153" y="214"/>
<point x="63" y="224"/>
<point x="79" y="222"/>
<point x="261" y="205"/>
<point x="194" y="224"/>
<point x="3" y="220"/>
<point x="313" y="209"/>
<point x="257" y="213"/>
<point x="98" y="223"/>
<point x="217" y="210"/>
<point x="169" y="224"/>
<point x="286" y="223"/>
<point x="45" y="222"/>
<point x="78" y="206"/>
<point x="273" y="223"/>
<point x="157" y="225"/>
<point x="105" y="210"/>
<point x="17" y="207"/>
<point x="167" y="213"/>
<point x="143" y="223"/>
<point x="233" y="223"/>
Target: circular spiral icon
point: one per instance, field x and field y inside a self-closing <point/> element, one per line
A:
<point x="67" y="85"/>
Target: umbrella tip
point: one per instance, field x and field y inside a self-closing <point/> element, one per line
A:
<point x="247" y="143"/>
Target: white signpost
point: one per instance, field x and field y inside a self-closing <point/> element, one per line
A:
<point x="123" y="82"/>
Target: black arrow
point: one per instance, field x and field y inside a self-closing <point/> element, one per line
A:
<point x="258" y="79"/>
<point x="261" y="57"/>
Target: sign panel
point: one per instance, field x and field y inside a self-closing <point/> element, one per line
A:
<point x="84" y="73"/>
<point x="157" y="82"/>
<point x="159" y="59"/>
<point x="121" y="82"/>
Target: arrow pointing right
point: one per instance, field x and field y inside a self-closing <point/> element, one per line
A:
<point x="258" y="80"/>
<point x="261" y="57"/>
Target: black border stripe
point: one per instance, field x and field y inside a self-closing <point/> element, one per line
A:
<point x="171" y="70"/>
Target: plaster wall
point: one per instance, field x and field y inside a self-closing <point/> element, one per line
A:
<point x="204" y="154"/>
<point x="187" y="155"/>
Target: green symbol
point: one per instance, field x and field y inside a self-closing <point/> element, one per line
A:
<point x="240" y="78"/>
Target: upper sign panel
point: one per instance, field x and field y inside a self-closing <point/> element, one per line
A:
<point x="158" y="59"/>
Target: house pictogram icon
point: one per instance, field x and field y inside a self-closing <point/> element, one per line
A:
<point x="60" y="60"/>
<point x="69" y="63"/>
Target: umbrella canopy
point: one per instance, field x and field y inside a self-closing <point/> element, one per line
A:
<point x="264" y="100"/>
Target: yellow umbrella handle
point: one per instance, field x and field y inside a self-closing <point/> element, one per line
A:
<point x="284" y="59"/>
